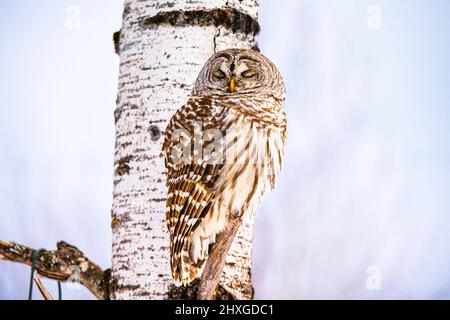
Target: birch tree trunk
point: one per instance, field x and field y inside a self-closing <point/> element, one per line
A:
<point x="162" y="46"/>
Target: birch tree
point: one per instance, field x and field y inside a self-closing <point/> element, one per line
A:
<point x="162" y="46"/>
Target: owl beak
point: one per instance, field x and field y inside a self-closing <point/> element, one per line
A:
<point x="232" y="85"/>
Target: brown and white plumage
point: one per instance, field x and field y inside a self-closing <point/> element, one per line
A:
<point x="223" y="151"/>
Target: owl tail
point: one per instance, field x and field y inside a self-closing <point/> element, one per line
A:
<point x="185" y="270"/>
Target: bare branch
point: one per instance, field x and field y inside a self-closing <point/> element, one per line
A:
<point x="60" y="265"/>
<point x="216" y="261"/>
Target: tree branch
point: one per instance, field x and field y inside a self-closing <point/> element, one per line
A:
<point x="42" y="289"/>
<point x="216" y="261"/>
<point x="61" y="265"/>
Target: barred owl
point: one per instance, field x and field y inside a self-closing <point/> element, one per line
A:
<point x="223" y="150"/>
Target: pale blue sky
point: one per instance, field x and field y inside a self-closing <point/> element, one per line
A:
<point x="367" y="168"/>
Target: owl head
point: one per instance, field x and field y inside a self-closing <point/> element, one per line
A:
<point x="239" y="72"/>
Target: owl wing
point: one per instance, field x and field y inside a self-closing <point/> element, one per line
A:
<point x="190" y="181"/>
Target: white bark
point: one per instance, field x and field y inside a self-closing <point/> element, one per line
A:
<point x="158" y="65"/>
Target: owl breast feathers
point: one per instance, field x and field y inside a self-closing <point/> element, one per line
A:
<point x="223" y="150"/>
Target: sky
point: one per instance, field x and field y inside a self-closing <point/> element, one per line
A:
<point x="361" y="209"/>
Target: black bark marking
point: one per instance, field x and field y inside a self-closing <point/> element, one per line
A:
<point x="117" y="112"/>
<point x="158" y="199"/>
<point x="155" y="133"/>
<point x="229" y="18"/>
<point x="122" y="165"/>
<point x="116" y="40"/>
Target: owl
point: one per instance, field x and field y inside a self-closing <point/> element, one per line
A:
<point x="223" y="151"/>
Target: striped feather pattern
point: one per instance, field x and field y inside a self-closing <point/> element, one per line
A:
<point x="204" y="191"/>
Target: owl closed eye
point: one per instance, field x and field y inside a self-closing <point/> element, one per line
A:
<point x="239" y="72"/>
